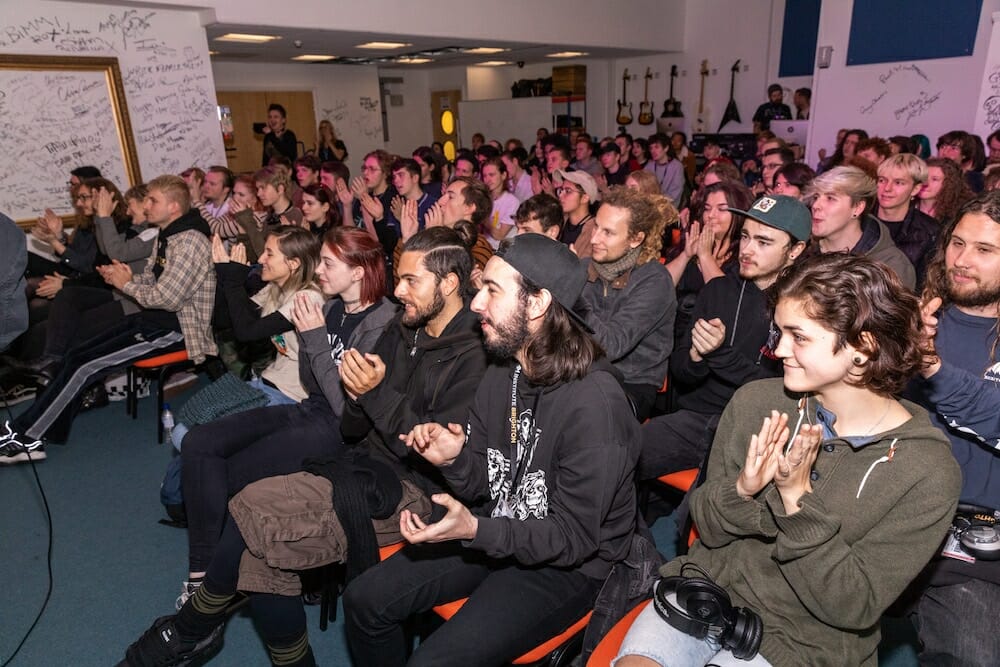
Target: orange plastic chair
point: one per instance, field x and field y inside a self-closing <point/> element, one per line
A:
<point x="608" y="647"/>
<point x="540" y="652"/>
<point x="165" y="365"/>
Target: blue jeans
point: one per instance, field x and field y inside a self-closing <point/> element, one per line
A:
<point x="652" y="637"/>
<point x="957" y="624"/>
<point x="274" y="397"/>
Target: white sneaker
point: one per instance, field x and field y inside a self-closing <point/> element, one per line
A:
<point x="13" y="450"/>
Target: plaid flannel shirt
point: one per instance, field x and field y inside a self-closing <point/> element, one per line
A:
<point x="186" y="287"/>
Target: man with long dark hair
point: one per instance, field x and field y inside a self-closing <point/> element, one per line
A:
<point x="961" y="390"/>
<point x="545" y="462"/>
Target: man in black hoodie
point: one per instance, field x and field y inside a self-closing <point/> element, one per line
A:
<point x="732" y="340"/>
<point x="176" y="292"/>
<point x="543" y="497"/>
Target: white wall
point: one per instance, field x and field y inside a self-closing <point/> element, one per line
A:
<point x="163" y="57"/>
<point x="347" y="95"/>
<point x="927" y="97"/>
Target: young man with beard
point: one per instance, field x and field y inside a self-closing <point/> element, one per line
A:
<point x="732" y="342"/>
<point x="960" y="387"/>
<point x="915" y="233"/>
<point x="426" y="365"/>
<point x="545" y="461"/>
<point x="630" y="298"/>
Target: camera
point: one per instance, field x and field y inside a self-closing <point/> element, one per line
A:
<point x="258" y="128"/>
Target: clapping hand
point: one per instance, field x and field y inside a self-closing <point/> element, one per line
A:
<point x="792" y="475"/>
<point x="116" y="274"/>
<point x="306" y="313"/>
<point x="762" y="455"/>
<point x="361" y="373"/>
<point x="219" y="254"/>
<point x="104" y="203"/>
<point x="707" y="336"/>
<point x="408" y="222"/>
<point x="238" y="254"/>
<point x="434" y="217"/>
<point x="50" y="286"/>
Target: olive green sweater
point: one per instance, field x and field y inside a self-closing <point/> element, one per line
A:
<point x="822" y="578"/>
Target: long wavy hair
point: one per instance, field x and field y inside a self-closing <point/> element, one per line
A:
<point x="295" y="243"/>
<point x="954" y="190"/>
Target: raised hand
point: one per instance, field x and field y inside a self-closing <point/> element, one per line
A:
<point x="928" y="315"/>
<point x="104" y="203"/>
<point x="238" y="254"/>
<point x="396" y="206"/>
<point x="50" y="286"/>
<point x="344" y="195"/>
<point x="762" y="455"/>
<point x="434" y="217"/>
<point x="458" y="524"/>
<point x="408" y="222"/>
<point x="306" y="313"/>
<point x="219" y="254"/>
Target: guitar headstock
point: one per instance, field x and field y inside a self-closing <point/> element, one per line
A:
<point x="736" y="67"/>
<point x="673" y="71"/>
<point x="649" y="74"/>
<point x="704" y="67"/>
<point x="625" y="76"/>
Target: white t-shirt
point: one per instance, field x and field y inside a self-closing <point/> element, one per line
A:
<point x="522" y="188"/>
<point x="504" y="208"/>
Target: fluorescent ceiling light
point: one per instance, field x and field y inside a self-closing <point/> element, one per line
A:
<point x="246" y="38"/>
<point x="494" y="63"/>
<point x="484" y="50"/>
<point x="414" y="61"/>
<point x="382" y="45"/>
<point x="314" y="58"/>
<point x="566" y="54"/>
<point x="213" y="53"/>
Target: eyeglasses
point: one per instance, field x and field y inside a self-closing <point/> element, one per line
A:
<point x="83" y="197"/>
<point x="954" y="144"/>
<point x="567" y="190"/>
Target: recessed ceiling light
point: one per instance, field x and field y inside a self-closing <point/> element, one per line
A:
<point x="494" y="63"/>
<point x="484" y="50"/>
<point x="382" y="45"/>
<point x="314" y="58"/>
<point x="246" y="38"/>
<point x="566" y="54"/>
<point x="414" y="61"/>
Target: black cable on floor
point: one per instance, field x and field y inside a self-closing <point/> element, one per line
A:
<point x="48" y="558"/>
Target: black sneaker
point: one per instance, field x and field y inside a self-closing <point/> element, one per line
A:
<point x="160" y="646"/>
<point x="15" y="449"/>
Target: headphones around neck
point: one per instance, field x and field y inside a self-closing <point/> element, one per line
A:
<point x="703" y="610"/>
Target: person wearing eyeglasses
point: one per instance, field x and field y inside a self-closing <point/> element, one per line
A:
<point x="577" y="192"/>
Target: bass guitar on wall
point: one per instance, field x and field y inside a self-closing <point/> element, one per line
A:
<point x="646" y="107"/>
<point x="624" y="116"/>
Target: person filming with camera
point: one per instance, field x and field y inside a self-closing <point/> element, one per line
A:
<point x="825" y="495"/>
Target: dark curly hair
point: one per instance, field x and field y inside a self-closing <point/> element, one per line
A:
<point x="866" y="306"/>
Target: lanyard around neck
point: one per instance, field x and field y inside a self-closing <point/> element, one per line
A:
<point x="521" y="462"/>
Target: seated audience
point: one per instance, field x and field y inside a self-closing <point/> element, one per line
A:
<point x="213" y="200"/>
<point x="629" y="297"/>
<point x="273" y="186"/>
<point x="541" y="503"/>
<point x="518" y="179"/>
<point x="320" y="210"/>
<point x="730" y="342"/>
<point x="874" y="149"/>
<point x="409" y="207"/>
<point x="666" y="167"/>
<point x="944" y="192"/>
<point x="176" y="292"/>
<point x="578" y="194"/>
<point x="809" y="532"/>
<point x="614" y="172"/>
<point x="791" y="179"/>
<point x="430" y="171"/>
<point x="501" y="219"/>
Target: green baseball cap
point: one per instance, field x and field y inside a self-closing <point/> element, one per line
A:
<point x="781" y="212"/>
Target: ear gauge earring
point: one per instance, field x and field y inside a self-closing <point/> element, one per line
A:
<point x="858" y="360"/>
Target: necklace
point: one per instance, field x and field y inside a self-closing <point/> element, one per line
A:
<point x="880" y="419"/>
<point x="347" y="310"/>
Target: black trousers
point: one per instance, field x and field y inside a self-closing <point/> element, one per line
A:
<point x="218" y="459"/>
<point x="79" y="313"/>
<point x="511" y="608"/>
<point x="675" y="441"/>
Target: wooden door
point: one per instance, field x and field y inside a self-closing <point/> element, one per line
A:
<point x="249" y="107"/>
<point x="441" y="101"/>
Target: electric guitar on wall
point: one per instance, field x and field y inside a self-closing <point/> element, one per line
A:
<point x="701" y="120"/>
<point x="732" y="113"/>
<point x="672" y="107"/>
<point x="646" y="107"/>
<point x="624" y="116"/>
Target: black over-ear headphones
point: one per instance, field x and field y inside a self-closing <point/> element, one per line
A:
<point x="704" y="610"/>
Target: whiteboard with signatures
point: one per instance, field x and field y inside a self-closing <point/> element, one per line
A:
<point x="61" y="120"/>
